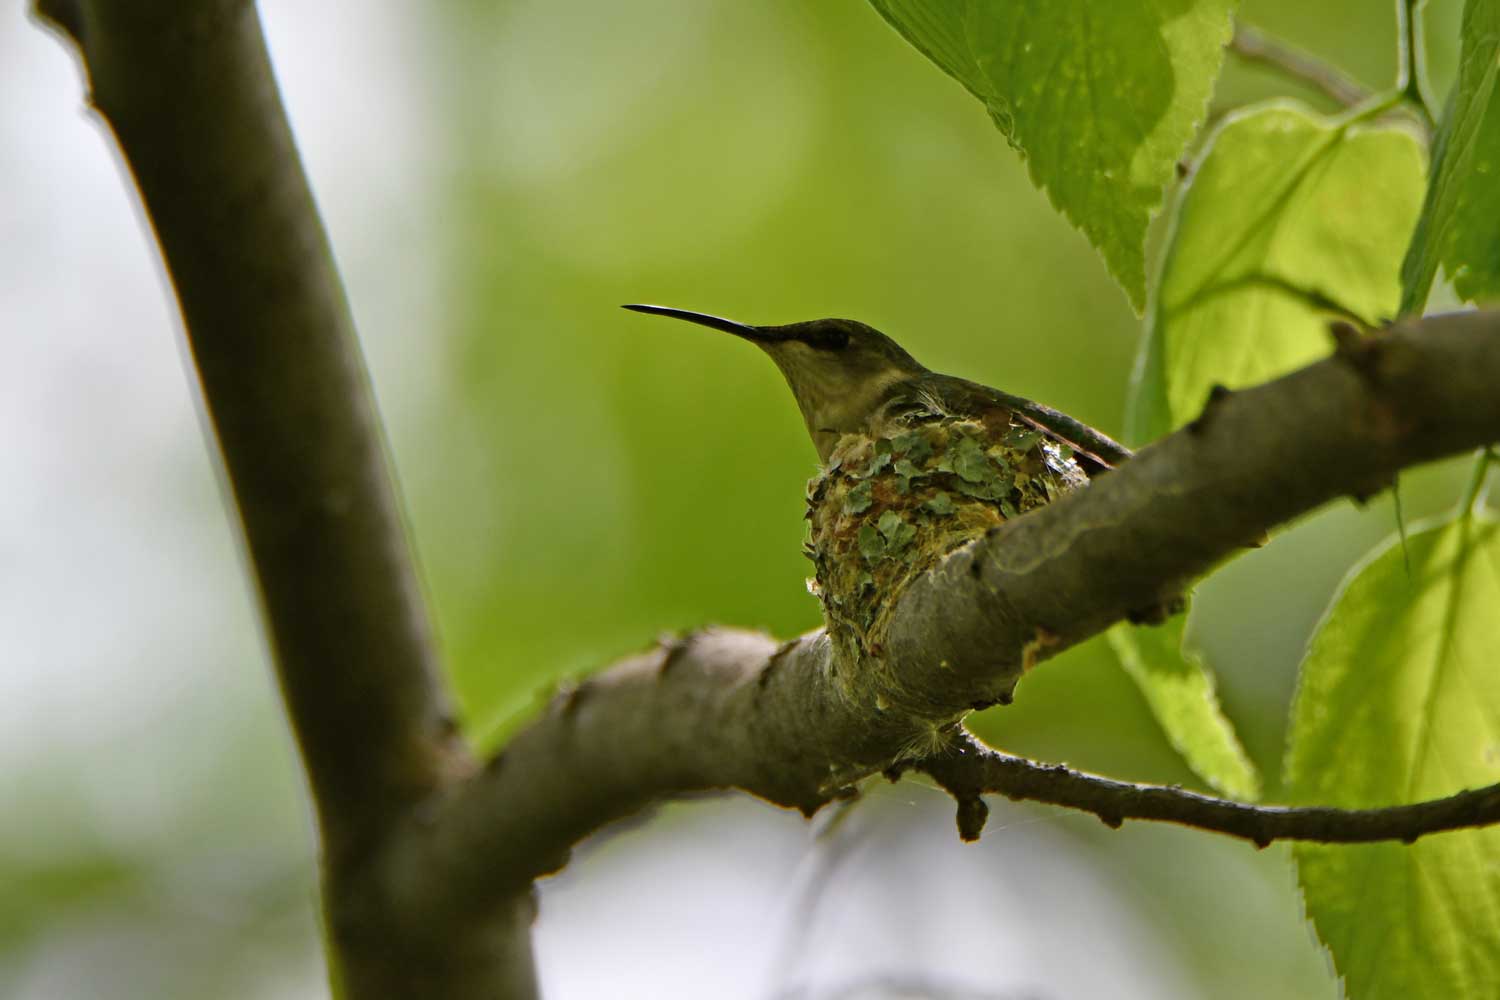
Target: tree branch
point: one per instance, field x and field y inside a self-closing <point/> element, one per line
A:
<point x="1253" y="460"/>
<point x="1253" y="45"/>
<point x="188" y="90"/>
<point x="733" y="710"/>
<point x="714" y="710"/>
<point x="187" y="87"/>
<point x="969" y="770"/>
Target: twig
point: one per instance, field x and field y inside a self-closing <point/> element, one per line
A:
<point x="971" y="770"/>
<point x="1253" y="45"/>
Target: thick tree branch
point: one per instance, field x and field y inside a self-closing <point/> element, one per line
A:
<point x="1253" y="460"/>
<point x="970" y="770"/>
<point x="187" y="87"/>
<point x="716" y="709"/>
<point x="733" y="710"/>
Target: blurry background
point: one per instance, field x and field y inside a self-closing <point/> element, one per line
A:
<point x="497" y="178"/>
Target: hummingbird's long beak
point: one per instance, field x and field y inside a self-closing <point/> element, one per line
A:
<point x="756" y="334"/>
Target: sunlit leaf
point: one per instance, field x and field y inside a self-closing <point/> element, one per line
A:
<point x="1460" y="225"/>
<point x="1101" y="98"/>
<point x="1399" y="702"/>
<point x="1285" y="208"/>
<point x="1180" y="692"/>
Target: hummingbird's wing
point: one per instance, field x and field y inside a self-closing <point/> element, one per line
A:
<point x="1097" y="451"/>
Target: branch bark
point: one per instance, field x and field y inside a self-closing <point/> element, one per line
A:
<point x="1253" y="460"/>
<point x="733" y="710"/>
<point x="968" y="770"/>
<point x="187" y="88"/>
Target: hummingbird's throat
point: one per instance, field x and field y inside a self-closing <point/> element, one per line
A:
<point x="833" y="404"/>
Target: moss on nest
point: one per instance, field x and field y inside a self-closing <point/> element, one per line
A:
<point x="888" y="509"/>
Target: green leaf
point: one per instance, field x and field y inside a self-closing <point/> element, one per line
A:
<point x="881" y="460"/>
<point x="871" y="545"/>
<point x="905" y="467"/>
<point x="858" y="499"/>
<point x="1179" y="689"/>
<point x="970" y="462"/>
<point x="914" y="445"/>
<point x="1399" y="701"/>
<point x="1286" y="207"/>
<point x="1021" y="439"/>
<point x="1460" y="225"/>
<point x="940" y="504"/>
<point x="992" y="490"/>
<point x="1101" y="98"/>
<point x="897" y="533"/>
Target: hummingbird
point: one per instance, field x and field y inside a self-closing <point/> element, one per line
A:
<point x="849" y="378"/>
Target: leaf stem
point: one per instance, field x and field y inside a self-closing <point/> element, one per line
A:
<point x="1411" y="62"/>
<point x="1255" y="46"/>
<point x="1401" y="525"/>
<point x="1474" y="492"/>
<point x="1374" y="106"/>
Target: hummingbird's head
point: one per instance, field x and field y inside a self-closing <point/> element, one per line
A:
<point x="840" y="370"/>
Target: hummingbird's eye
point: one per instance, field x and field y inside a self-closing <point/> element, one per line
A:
<point x="834" y="340"/>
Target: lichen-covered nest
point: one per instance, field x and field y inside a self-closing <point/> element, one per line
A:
<point x="888" y="509"/>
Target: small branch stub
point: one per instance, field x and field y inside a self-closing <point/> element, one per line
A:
<point x="972" y="814"/>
